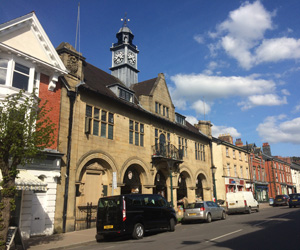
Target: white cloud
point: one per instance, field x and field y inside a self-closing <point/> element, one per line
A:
<point x="248" y="23"/>
<point x="199" y="39"/>
<point x="285" y="92"/>
<point x="179" y="103"/>
<point x="191" y="119"/>
<point x="286" y="48"/>
<point x="242" y="32"/>
<point x="194" y="85"/>
<point x="242" y="36"/>
<point x="296" y="109"/>
<point x="263" y="100"/>
<point x="219" y="130"/>
<point x="274" y="131"/>
<point x="201" y="107"/>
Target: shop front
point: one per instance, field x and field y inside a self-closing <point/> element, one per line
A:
<point x="233" y="185"/>
<point x="261" y="192"/>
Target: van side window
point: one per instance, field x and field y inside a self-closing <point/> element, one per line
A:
<point x="137" y="202"/>
<point x="161" y="202"/>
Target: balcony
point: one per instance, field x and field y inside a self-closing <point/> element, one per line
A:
<point x="164" y="152"/>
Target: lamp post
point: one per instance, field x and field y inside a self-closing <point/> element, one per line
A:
<point x="214" y="169"/>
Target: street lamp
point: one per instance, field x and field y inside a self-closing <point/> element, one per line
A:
<point x="214" y="169"/>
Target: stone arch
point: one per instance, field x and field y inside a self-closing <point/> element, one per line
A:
<point x="160" y="184"/>
<point x="142" y="165"/>
<point x="93" y="155"/>
<point x="93" y="177"/>
<point x="184" y="182"/>
<point x="202" y="190"/>
<point x="133" y="175"/>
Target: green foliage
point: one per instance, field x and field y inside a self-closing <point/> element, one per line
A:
<point x="25" y="129"/>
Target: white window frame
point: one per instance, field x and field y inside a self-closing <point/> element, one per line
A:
<point x="12" y="60"/>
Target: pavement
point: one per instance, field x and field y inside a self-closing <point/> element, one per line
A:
<point x="76" y="238"/>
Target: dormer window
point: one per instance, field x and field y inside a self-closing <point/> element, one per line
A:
<point x="122" y="92"/>
<point x="180" y="118"/>
<point x="125" y="95"/>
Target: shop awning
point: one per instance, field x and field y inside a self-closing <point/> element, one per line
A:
<point x="27" y="181"/>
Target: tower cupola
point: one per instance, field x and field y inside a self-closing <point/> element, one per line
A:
<point x="124" y="56"/>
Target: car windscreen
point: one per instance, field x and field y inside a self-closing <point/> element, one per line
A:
<point x="195" y="205"/>
<point x="294" y="196"/>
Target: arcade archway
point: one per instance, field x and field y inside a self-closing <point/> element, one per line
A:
<point x="160" y="184"/>
<point x="131" y="181"/>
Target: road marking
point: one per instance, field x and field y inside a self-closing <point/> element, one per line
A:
<point x="224" y="235"/>
<point x="263" y="222"/>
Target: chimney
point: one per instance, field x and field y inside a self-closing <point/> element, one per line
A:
<point x="267" y="149"/>
<point x="226" y="137"/>
<point x="204" y="127"/>
<point x="238" y="142"/>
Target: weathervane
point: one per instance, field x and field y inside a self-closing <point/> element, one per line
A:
<point x="125" y="19"/>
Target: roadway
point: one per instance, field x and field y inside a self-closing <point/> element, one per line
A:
<point x="271" y="228"/>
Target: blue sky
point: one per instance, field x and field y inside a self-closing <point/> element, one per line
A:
<point x="235" y="63"/>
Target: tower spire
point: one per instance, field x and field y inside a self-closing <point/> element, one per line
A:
<point x="125" y="20"/>
<point x="124" y="55"/>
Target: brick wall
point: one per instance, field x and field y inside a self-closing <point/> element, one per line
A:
<point x="53" y="98"/>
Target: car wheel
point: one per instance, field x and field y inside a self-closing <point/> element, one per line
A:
<point x="249" y="210"/>
<point x="171" y="225"/>
<point x="223" y="216"/>
<point x="138" y="231"/>
<point x="290" y="206"/>
<point x="208" y="218"/>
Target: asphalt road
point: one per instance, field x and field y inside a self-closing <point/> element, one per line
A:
<point x="271" y="228"/>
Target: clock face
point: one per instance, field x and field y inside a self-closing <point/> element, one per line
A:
<point x="131" y="58"/>
<point x="119" y="56"/>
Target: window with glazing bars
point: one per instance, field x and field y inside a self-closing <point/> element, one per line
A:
<point x="136" y="133"/>
<point x="99" y="122"/>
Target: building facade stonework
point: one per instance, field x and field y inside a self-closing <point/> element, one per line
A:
<point x="118" y="139"/>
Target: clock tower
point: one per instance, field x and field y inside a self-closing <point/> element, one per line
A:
<point x="124" y="56"/>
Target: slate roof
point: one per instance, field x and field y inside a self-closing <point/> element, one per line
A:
<point x="144" y="88"/>
<point x="97" y="81"/>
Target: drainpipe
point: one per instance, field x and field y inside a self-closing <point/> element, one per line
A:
<point x="72" y="97"/>
<point x="213" y="168"/>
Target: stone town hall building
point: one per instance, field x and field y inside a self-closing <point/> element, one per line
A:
<point x="119" y="135"/>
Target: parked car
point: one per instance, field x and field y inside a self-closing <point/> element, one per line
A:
<point x="204" y="210"/>
<point x="294" y="200"/>
<point x="133" y="214"/>
<point x="281" y="199"/>
<point x="241" y="202"/>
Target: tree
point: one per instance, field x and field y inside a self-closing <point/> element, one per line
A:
<point x="25" y="131"/>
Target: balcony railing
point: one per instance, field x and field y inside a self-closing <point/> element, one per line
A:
<point x="167" y="151"/>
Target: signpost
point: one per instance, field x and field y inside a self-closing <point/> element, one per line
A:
<point x="114" y="183"/>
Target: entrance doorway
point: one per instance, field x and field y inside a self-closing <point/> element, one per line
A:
<point x="132" y="181"/>
<point x="199" y="187"/>
<point x="160" y="185"/>
<point x="182" y="190"/>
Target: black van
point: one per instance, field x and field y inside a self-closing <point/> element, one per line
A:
<point x="133" y="214"/>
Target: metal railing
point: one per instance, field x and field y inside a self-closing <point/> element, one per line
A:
<point x="167" y="151"/>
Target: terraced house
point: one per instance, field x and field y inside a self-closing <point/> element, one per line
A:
<point x="121" y="136"/>
<point x="232" y="166"/>
<point x="29" y="61"/>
